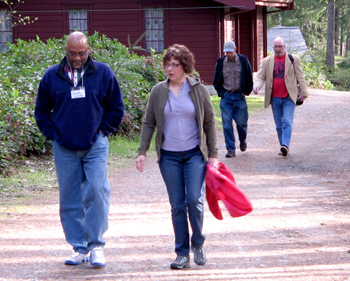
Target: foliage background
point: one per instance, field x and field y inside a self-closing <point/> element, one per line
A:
<point x="312" y="18"/>
<point x="21" y="69"/>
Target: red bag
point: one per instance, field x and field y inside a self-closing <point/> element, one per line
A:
<point x="221" y="185"/>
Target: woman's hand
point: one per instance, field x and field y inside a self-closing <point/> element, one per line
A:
<point x="140" y="162"/>
<point x="214" y="162"/>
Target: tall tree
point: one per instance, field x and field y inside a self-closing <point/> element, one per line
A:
<point x="344" y="21"/>
<point x="330" y="33"/>
<point x="311" y="17"/>
<point x="337" y="41"/>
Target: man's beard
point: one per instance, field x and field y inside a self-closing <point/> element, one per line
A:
<point x="280" y="54"/>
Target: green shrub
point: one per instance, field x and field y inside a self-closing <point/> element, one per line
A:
<point x="345" y="63"/>
<point x="340" y="74"/>
<point x="22" y="67"/>
<point x="315" y="76"/>
<point x="340" y="78"/>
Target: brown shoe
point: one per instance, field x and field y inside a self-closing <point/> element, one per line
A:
<point x="230" y="153"/>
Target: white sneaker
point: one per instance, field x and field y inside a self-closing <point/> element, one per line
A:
<point x="97" y="257"/>
<point x="77" y="258"/>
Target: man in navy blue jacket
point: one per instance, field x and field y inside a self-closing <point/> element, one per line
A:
<point x="79" y="103"/>
<point x="233" y="80"/>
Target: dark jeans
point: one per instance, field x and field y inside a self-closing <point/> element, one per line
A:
<point x="234" y="107"/>
<point x="183" y="174"/>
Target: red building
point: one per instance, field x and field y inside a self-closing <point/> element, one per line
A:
<point x="201" y="25"/>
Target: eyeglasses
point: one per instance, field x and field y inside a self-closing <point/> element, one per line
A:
<point x="81" y="54"/>
<point x="172" y="65"/>
<point x="278" y="46"/>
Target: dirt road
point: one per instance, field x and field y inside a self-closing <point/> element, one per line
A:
<point x="299" y="228"/>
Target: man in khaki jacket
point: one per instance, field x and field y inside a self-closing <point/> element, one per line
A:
<point x="282" y="75"/>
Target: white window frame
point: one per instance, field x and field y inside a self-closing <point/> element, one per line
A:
<point x="78" y="20"/>
<point x="5" y="29"/>
<point x="154" y="24"/>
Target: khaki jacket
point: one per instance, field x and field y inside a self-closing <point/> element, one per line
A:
<point x="291" y="76"/>
<point x="154" y="118"/>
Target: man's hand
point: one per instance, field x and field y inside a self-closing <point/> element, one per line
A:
<point x="256" y="90"/>
<point x="301" y="98"/>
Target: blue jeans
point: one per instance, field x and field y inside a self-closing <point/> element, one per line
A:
<point x="234" y="106"/>
<point x="183" y="174"/>
<point x="84" y="194"/>
<point x="283" y="113"/>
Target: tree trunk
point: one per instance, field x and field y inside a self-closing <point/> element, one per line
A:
<point x="330" y="33"/>
<point x="336" y="32"/>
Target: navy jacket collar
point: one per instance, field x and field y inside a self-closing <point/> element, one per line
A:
<point x="61" y="72"/>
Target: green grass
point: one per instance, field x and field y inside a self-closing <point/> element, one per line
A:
<point x="215" y="100"/>
<point x="123" y="147"/>
<point x="35" y="176"/>
<point x="121" y="150"/>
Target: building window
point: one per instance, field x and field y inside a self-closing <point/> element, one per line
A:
<point x="5" y="29"/>
<point x="78" y="20"/>
<point x="155" y="27"/>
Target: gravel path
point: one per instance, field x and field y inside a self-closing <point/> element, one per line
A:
<point x="297" y="231"/>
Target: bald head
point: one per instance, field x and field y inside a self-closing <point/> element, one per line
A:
<point x="279" y="46"/>
<point x="278" y="40"/>
<point x="77" y="49"/>
<point x="76" y="37"/>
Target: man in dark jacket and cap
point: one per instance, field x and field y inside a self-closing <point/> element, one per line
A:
<point x="233" y="80"/>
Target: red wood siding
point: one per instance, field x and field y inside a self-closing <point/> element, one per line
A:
<point x="197" y="29"/>
<point x="244" y="45"/>
<point x="260" y="42"/>
<point x="117" y="19"/>
<point x="198" y="24"/>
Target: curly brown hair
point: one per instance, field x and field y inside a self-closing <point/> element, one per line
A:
<point x="182" y="54"/>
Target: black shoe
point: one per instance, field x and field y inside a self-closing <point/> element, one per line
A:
<point x="284" y="150"/>
<point x="243" y="145"/>
<point x="230" y="153"/>
<point x="180" y="262"/>
<point x="199" y="255"/>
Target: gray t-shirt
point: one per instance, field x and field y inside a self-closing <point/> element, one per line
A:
<point x="180" y="129"/>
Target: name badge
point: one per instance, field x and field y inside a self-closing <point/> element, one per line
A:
<point x="77" y="92"/>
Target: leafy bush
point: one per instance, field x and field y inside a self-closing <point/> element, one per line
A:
<point x="340" y="75"/>
<point x="315" y="75"/>
<point x="340" y="78"/>
<point x="22" y="67"/>
<point x="345" y="64"/>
